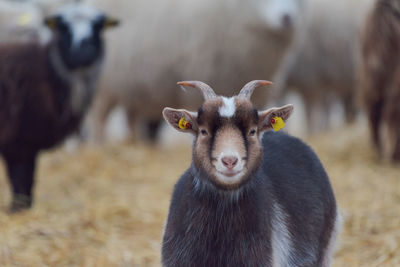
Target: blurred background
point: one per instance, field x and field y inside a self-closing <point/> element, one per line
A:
<point x="102" y="197"/>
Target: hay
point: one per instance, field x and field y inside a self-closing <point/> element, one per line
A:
<point x="107" y="206"/>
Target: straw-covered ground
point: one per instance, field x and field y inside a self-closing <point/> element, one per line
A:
<point x="107" y="206"/>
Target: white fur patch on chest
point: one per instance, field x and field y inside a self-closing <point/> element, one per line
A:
<point x="228" y="107"/>
<point x="281" y="240"/>
<point x="330" y="249"/>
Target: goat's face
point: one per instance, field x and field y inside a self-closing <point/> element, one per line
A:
<point x="227" y="146"/>
<point x="77" y="29"/>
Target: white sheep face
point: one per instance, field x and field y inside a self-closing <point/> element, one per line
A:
<point x="78" y="33"/>
<point x="281" y="15"/>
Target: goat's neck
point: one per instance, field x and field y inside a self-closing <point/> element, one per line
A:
<point x="203" y="187"/>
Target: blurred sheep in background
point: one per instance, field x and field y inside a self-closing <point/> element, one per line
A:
<point x="20" y="21"/>
<point x="380" y="77"/>
<point x="45" y="91"/>
<point x="225" y="43"/>
<point x="320" y="65"/>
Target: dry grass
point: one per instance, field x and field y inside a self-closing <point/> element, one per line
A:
<point x="107" y="206"/>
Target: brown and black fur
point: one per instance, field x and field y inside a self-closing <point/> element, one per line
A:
<point x="380" y="76"/>
<point x="207" y="228"/>
<point x="215" y="225"/>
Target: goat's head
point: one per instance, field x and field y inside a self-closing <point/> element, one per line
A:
<point x="77" y="28"/>
<point x="227" y="146"/>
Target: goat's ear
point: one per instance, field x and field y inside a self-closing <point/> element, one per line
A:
<point x="270" y="118"/>
<point x="181" y="119"/>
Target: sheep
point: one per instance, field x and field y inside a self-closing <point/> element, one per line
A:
<point x="321" y="62"/>
<point x="380" y="77"/>
<point x="19" y="22"/>
<point x="46" y="90"/>
<point x="225" y="42"/>
<point x="247" y="199"/>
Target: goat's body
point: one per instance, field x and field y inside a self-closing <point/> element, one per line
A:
<point x="283" y="216"/>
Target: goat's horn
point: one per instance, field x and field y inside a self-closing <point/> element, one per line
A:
<point x="208" y="92"/>
<point x="248" y="89"/>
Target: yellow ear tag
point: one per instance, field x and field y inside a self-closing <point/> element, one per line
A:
<point x="24" y="19"/>
<point x="110" y="22"/>
<point x="183" y="124"/>
<point x="277" y="123"/>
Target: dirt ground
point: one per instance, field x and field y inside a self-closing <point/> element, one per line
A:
<point x="107" y="206"/>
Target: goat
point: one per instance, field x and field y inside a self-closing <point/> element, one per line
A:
<point x="380" y="77"/>
<point x="247" y="200"/>
<point x="46" y="90"/>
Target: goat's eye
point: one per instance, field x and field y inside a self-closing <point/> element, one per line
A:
<point x="203" y="132"/>
<point x="252" y="132"/>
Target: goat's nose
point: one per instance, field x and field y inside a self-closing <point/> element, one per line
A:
<point x="229" y="162"/>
